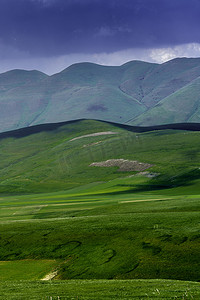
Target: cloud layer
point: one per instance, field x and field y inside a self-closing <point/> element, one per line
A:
<point x="58" y="27"/>
<point x="51" y="34"/>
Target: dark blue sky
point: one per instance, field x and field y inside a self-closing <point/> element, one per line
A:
<point x="63" y="31"/>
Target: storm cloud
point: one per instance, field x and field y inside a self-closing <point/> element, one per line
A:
<point x="31" y="29"/>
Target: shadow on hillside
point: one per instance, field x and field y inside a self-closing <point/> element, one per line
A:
<point x="23" y="132"/>
<point x="161" y="182"/>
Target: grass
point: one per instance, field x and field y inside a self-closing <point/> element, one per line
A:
<point x="97" y="227"/>
<point x="26" y="269"/>
<point x="100" y="289"/>
<point x="104" y="235"/>
<point x="50" y="161"/>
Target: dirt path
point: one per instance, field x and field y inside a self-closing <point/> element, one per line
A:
<point x="94" y="134"/>
<point x="50" y="276"/>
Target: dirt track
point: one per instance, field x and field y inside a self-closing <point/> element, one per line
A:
<point x="50" y="276"/>
<point x="94" y="134"/>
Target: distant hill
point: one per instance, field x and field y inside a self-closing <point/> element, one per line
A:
<point x="136" y="93"/>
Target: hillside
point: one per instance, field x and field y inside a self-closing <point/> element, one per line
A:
<point x="54" y="157"/>
<point x="136" y="93"/>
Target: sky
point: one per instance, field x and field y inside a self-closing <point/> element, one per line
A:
<point x="50" y="35"/>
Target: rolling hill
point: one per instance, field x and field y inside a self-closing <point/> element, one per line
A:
<point x="136" y="93"/>
<point x="53" y="157"/>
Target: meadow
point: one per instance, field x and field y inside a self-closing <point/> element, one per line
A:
<point x="100" y="289"/>
<point x="111" y="234"/>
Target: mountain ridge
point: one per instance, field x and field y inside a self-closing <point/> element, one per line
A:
<point x="135" y="93"/>
<point x="26" y="131"/>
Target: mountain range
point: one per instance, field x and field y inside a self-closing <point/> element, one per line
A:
<point x="136" y="93"/>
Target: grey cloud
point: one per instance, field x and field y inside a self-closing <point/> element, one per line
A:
<point x="60" y="27"/>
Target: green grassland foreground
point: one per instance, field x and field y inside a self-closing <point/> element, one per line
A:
<point x="102" y="236"/>
<point x="99" y="289"/>
<point x="109" y="225"/>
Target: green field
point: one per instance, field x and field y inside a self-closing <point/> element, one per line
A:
<point x="111" y="236"/>
<point x="103" y="237"/>
<point x="26" y="269"/>
<point x="97" y="230"/>
<point x="99" y="289"/>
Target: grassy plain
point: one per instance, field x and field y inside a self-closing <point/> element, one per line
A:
<point x="99" y="289"/>
<point x="108" y="235"/>
<point x="100" y="236"/>
<point x="25" y="269"/>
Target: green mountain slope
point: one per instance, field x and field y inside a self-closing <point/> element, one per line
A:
<point x="168" y="78"/>
<point x="181" y="106"/>
<point x="21" y="98"/>
<point x="89" y="91"/>
<point x="57" y="159"/>
<point x="134" y="93"/>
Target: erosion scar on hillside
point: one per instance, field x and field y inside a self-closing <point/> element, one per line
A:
<point x="124" y="165"/>
<point x="94" y="134"/>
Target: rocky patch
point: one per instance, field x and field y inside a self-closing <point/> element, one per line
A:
<point x="124" y="165"/>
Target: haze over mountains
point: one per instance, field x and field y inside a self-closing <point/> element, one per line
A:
<point x="136" y="93"/>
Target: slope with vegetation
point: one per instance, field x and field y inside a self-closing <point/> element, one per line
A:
<point x="52" y="158"/>
<point x="99" y="222"/>
<point x="62" y="218"/>
<point x="137" y="93"/>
